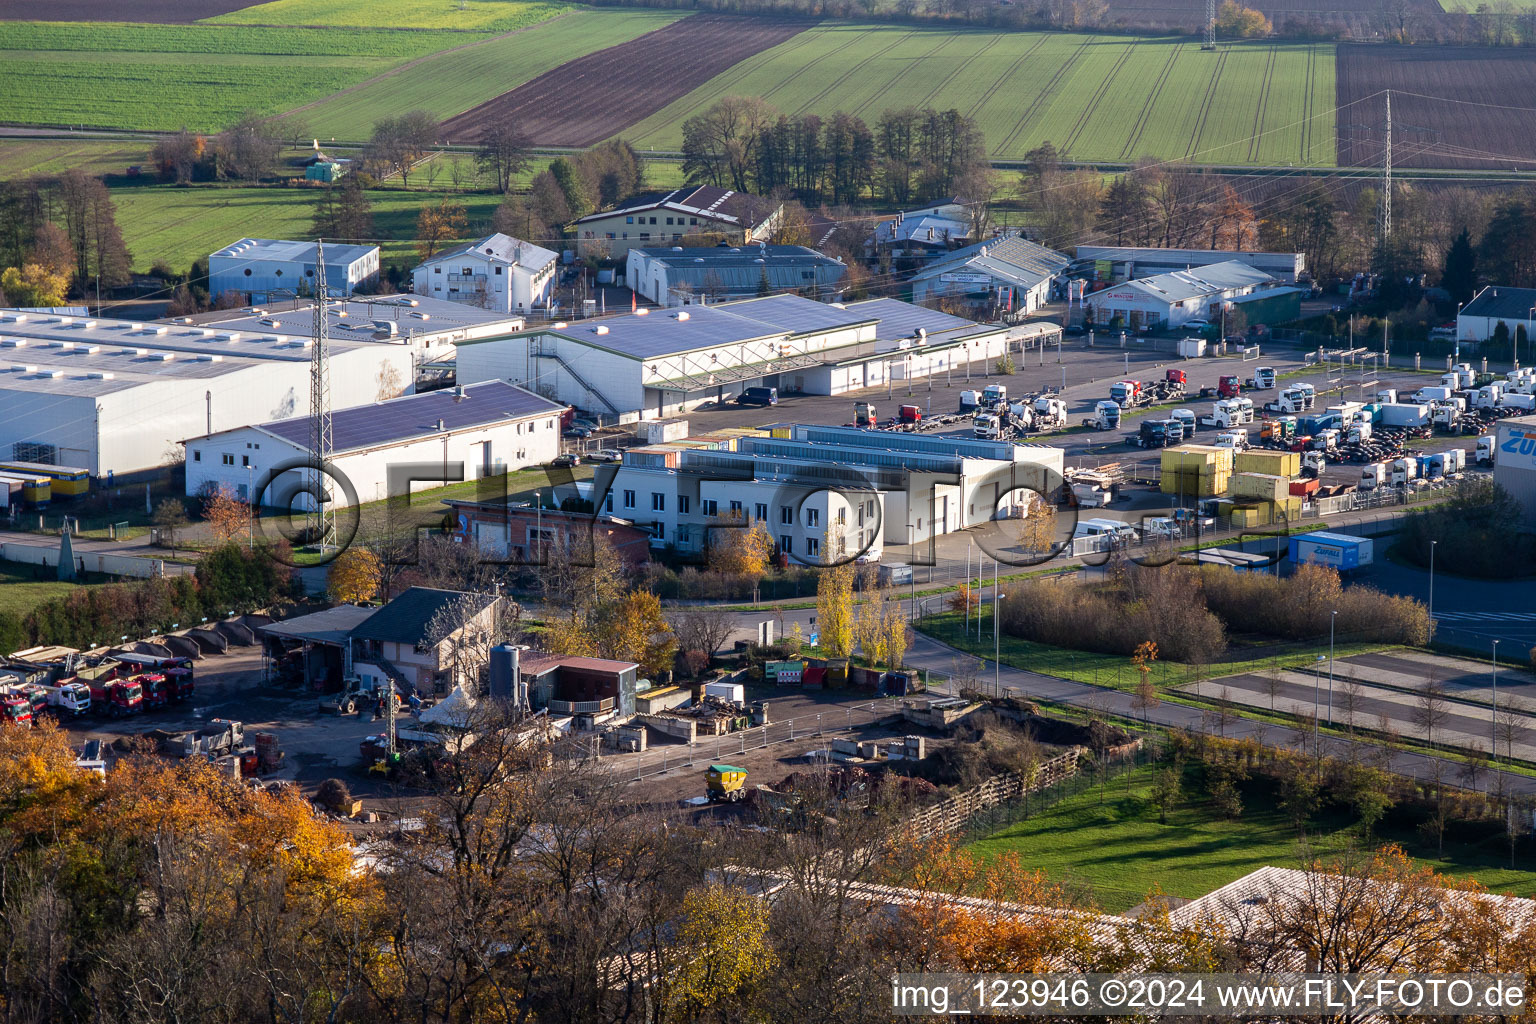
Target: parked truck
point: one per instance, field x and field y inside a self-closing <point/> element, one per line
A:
<point x="67" y="697"/>
<point x="969" y="400"/>
<point x="987" y="425"/>
<point x="1050" y="413"/>
<point x="16" y="710"/>
<point x="1106" y="416"/>
<point x="1404" y="415"/>
<point x="1374" y="475"/>
<point x="220" y="736"/>
<point x="1263" y="378"/>
<point x="116" y="697"/>
<point x="864" y="414"/>
<point x="910" y="414"/>
<point x="1127" y="394"/>
<point x="1289" y="401"/>
<point x="994" y="393"/>
<point x="1159" y="433"/>
<point x="1225" y="415"/>
<point x="1338" y="550"/>
<point x="1229" y="386"/>
<point x="1487" y="446"/>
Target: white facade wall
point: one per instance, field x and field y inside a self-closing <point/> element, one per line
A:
<point x="245" y="274"/>
<point x="612" y="236"/>
<point x="1138" y="306"/>
<point x="65" y="421"/>
<point x="793" y="517"/>
<point x="934" y="287"/>
<point x="132" y="429"/>
<point x="235" y="459"/>
<point x="476" y="279"/>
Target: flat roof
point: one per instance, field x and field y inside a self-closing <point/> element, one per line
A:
<point x="736" y="255"/>
<point x="412" y="416"/>
<point x="330" y="626"/>
<point x="665" y="332"/>
<point x="354" y="319"/>
<point x="797" y="314"/>
<point x="292" y="251"/>
<point x="87" y="356"/>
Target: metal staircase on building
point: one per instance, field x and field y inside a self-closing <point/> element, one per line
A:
<point x="578" y="378"/>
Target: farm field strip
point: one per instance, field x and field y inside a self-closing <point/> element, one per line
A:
<point x="27" y="158"/>
<point x="1096" y="97"/>
<point x="448" y="84"/>
<point x="573" y="105"/>
<point x="459" y="16"/>
<point x="1477" y="102"/>
<point x="197" y="41"/>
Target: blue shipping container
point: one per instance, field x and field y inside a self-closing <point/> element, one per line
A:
<point x="1338" y="550"/>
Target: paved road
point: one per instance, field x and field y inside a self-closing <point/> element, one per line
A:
<point x="943" y="660"/>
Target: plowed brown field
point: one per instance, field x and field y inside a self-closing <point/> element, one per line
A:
<point x="591" y="98"/>
<point x="158" y="12"/>
<point x="1480" y="103"/>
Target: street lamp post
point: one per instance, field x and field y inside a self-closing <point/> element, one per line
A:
<point x="538" y="524"/>
<point x="1432" y="587"/>
<point x="1332" y="619"/>
<point x="1317" y="689"/>
<point x="1494" y="726"/>
<point x="997" y="671"/>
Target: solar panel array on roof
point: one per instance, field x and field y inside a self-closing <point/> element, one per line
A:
<point x="902" y="319"/>
<point x="796" y="314"/>
<point x="401" y="419"/>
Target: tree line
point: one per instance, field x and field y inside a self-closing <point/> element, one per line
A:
<point x="910" y="156"/>
<point x="59" y="236"/>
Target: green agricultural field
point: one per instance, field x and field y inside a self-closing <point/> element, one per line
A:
<point x="1110" y="98"/>
<point x="465" y="16"/>
<point x="29" y="158"/>
<point x="165" y="77"/>
<point x="1113" y="845"/>
<point x="178" y="225"/>
<point x="453" y="82"/>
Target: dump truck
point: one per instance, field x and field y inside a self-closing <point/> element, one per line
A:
<point x="220" y="736"/>
<point x="16" y="710"/>
<point x="68" y="697"/>
<point x="726" y="784"/>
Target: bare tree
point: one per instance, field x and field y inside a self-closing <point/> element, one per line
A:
<point x="1430" y="709"/>
<point x="703" y="628"/>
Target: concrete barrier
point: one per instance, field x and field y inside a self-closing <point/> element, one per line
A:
<point x="85" y="561"/>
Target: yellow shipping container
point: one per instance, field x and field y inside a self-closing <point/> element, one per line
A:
<point x="1195" y="483"/>
<point x="1221" y="457"/>
<point x="1286" y="464"/>
<point x="1261" y="486"/>
<point x="1248" y="516"/>
<point x="1288" y="509"/>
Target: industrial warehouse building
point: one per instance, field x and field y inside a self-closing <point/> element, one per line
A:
<point x="428" y="327"/>
<point x="811" y="485"/>
<point x="489" y="429"/>
<point x="1167" y="300"/>
<point x="663" y="218"/>
<point x="1012" y="274"/>
<point x="659" y="363"/>
<point x="1513" y="307"/>
<point x="118" y="396"/>
<point x="496" y="272"/>
<point x="1127" y="263"/>
<point x="677" y="276"/>
<point x="1514" y="466"/>
<point x="258" y="267"/>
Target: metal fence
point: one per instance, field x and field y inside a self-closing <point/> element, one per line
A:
<point x="813" y="730"/>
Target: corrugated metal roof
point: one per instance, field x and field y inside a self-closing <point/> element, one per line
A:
<point x="1499" y="302"/>
<point x="336" y="254"/>
<point x="719" y="204"/>
<point x="503" y="249"/>
<point x="410" y="416"/>
<point x="1192" y="284"/>
<point x="354" y="318"/>
<point x="1017" y="261"/>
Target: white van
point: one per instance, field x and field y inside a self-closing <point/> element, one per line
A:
<point x="1104" y="528"/>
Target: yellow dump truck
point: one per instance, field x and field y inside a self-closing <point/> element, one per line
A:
<point x="726" y="783"/>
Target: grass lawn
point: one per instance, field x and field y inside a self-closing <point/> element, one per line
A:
<point x="1111" y="670"/>
<point x="27" y="158"/>
<point x="1096" y="97"/>
<point x="21" y="591"/>
<point x="178" y="225"/>
<point x="1116" y="847"/>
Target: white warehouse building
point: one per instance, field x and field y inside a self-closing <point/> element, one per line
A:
<point x="429" y="328"/>
<point x="256" y="267"/>
<point x="118" y="396"/>
<point x="864" y="488"/>
<point x="1167" y="300"/>
<point x="496" y="272"/>
<point x="663" y="362"/>
<point x="488" y="429"/>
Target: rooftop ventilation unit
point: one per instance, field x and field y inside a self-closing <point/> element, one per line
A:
<point x="682" y="314"/>
<point x="600" y="329"/>
<point x="100" y="375"/>
<point x="13" y="343"/>
<point x="22" y="368"/>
